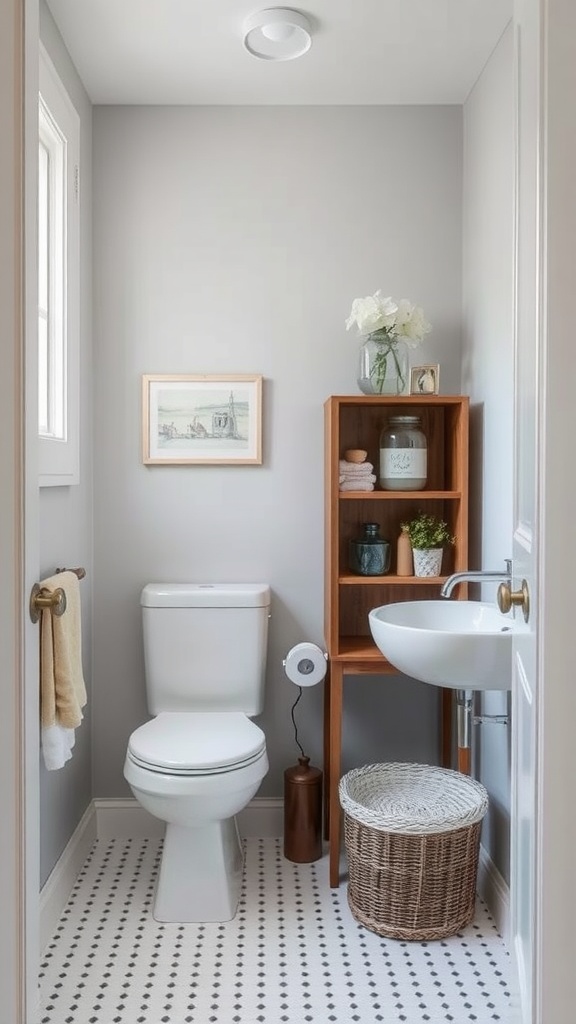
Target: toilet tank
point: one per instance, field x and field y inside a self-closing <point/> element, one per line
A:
<point x="205" y="646"/>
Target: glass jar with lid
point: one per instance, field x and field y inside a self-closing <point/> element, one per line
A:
<point x="403" y="455"/>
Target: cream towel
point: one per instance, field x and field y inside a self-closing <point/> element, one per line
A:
<point x="62" y="687"/>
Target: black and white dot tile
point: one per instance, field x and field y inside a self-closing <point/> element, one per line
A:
<point x="292" y="955"/>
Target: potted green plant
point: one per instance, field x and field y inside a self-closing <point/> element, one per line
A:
<point x="428" y="537"/>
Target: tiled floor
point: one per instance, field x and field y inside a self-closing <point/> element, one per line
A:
<point x="293" y="954"/>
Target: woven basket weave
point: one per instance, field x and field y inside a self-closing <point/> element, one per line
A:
<point x="412" y="835"/>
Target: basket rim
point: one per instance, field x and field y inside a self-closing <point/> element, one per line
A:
<point x="418" y="799"/>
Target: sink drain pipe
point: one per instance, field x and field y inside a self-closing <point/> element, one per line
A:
<point x="464" y="722"/>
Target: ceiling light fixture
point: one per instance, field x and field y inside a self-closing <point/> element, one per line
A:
<point x="277" y="34"/>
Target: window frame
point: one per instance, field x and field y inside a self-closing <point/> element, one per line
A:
<point x="59" y="449"/>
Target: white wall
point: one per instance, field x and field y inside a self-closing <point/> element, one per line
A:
<point x="66" y="512"/>
<point x="234" y="240"/>
<point x="487" y="376"/>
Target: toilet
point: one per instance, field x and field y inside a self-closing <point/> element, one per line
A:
<point x="200" y="759"/>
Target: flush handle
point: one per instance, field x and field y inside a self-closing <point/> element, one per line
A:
<point x="508" y="598"/>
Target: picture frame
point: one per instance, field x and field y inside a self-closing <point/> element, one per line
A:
<point x="201" y="419"/>
<point x="425" y="380"/>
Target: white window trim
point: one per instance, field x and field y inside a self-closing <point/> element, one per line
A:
<point x="59" y="458"/>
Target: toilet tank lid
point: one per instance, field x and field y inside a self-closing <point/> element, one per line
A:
<point x="205" y="595"/>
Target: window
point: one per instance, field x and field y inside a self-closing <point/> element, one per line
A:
<point x="58" y="281"/>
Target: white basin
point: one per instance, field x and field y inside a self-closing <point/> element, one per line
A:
<point x="466" y="645"/>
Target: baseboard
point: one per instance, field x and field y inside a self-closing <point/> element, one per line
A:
<point x="124" y="818"/>
<point x="495" y="892"/>
<point x="61" y="881"/>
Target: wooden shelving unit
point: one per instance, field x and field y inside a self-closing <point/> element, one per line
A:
<point x="356" y="422"/>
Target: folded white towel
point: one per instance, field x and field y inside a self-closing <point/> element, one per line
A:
<point x="356" y="485"/>
<point x="357" y="480"/>
<point x="57" y="743"/>
<point x="355" y="467"/>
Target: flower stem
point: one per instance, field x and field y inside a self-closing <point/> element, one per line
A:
<point x="378" y="371"/>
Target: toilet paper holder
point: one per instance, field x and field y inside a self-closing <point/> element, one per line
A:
<point x="306" y="664"/>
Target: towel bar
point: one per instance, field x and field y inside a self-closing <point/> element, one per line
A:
<point x="55" y="601"/>
<point x="39" y="599"/>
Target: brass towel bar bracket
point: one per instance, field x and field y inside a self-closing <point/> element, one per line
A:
<point x="55" y="601"/>
<point x="39" y="599"/>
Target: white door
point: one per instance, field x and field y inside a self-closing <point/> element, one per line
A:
<point x="543" y="885"/>
<point x="525" y="540"/>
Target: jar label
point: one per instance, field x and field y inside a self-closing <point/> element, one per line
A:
<point x="403" y="463"/>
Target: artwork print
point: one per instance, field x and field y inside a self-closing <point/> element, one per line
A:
<point x="202" y="419"/>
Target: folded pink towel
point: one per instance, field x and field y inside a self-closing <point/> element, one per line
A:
<point x="356" y="480"/>
<point x="356" y="485"/>
<point x="355" y="467"/>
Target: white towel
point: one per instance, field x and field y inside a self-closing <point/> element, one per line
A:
<point x="356" y="485"/>
<point x="62" y="687"/>
<point x="57" y="743"/>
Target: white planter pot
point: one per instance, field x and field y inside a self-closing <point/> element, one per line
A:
<point x="427" y="561"/>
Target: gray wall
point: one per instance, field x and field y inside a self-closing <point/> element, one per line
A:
<point x="66" y="512"/>
<point x="488" y="376"/>
<point x="234" y="240"/>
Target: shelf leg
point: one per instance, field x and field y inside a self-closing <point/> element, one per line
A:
<point x="327" y="755"/>
<point x="446" y="728"/>
<point x="334" y="763"/>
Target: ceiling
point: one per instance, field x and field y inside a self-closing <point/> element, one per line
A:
<point x="363" y="51"/>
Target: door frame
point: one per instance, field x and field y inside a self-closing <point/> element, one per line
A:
<point x="555" y="892"/>
<point x="13" y="966"/>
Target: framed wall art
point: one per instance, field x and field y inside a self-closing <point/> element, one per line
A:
<point x="425" y="380"/>
<point x="195" y="419"/>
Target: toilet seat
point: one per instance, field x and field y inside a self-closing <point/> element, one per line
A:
<point x="196" y="743"/>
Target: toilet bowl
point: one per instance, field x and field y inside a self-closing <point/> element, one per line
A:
<point x="196" y="772"/>
<point x="201" y="758"/>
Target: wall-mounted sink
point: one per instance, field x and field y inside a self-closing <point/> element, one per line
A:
<point x="465" y="645"/>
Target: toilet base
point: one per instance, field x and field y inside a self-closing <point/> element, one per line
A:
<point x="200" y="873"/>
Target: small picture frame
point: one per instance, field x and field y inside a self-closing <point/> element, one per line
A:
<point x="425" y="380"/>
<point x="201" y="419"/>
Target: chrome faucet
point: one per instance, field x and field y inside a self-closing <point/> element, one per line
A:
<point x="480" y="576"/>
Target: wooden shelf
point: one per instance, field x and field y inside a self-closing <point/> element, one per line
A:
<point x="356" y="421"/>
<point x="398" y="495"/>
<point x="389" y="580"/>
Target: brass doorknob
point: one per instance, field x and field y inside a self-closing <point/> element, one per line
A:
<point x="508" y="598"/>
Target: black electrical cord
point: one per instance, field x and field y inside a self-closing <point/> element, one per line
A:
<point x="294" y="721"/>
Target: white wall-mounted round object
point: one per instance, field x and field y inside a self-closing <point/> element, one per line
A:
<point x="277" y="34"/>
<point x="305" y="664"/>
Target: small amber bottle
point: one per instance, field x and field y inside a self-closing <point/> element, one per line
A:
<point x="404" y="561"/>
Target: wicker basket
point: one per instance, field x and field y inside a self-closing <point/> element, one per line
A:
<point x="412" y="835"/>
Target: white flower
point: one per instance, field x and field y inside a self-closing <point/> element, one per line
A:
<point x="410" y="323"/>
<point x="373" y="313"/>
<point x="387" y="319"/>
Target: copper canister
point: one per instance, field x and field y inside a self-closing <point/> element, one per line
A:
<point x="303" y="812"/>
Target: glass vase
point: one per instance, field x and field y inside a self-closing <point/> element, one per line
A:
<point x="383" y="366"/>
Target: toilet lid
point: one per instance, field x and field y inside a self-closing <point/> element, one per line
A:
<point x="190" y="742"/>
